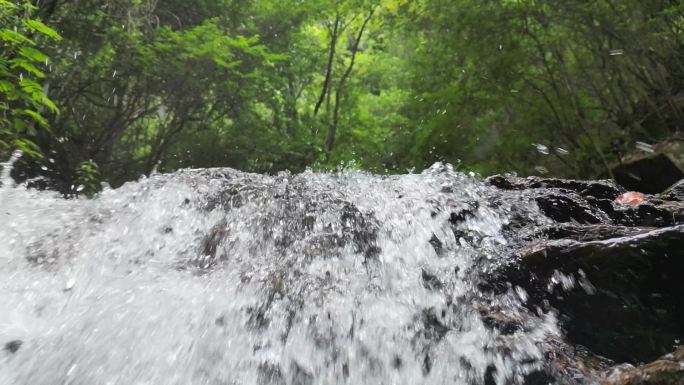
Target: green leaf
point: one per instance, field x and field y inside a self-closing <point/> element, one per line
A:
<point x="5" y="86"/>
<point x="35" y="116"/>
<point x="27" y="66"/>
<point x="42" y="28"/>
<point x="47" y="102"/>
<point x="7" y="4"/>
<point x="30" y="86"/>
<point x="14" y="37"/>
<point x="32" y="54"/>
<point x="28" y="147"/>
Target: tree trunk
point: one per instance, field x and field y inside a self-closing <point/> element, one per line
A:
<point x="332" y="131"/>
<point x="331" y="56"/>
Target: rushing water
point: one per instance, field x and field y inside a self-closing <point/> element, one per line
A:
<point x="222" y="277"/>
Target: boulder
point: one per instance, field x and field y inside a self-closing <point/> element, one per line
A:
<point x="674" y="192"/>
<point x="593" y="202"/>
<point x="601" y="189"/>
<point x="666" y="370"/>
<point x="619" y="297"/>
<point x="652" y="171"/>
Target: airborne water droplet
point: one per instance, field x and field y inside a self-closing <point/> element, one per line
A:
<point x="541" y="169"/>
<point x="562" y="151"/>
<point x="644" y="147"/>
<point x="70" y="284"/>
<point x="541" y="148"/>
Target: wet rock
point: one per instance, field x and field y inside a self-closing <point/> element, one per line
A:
<point x="666" y="370"/>
<point x="41" y="254"/>
<point x="433" y="322"/>
<point x="592" y="202"/>
<point x="538" y="377"/>
<point x="564" y="200"/>
<point x="207" y="257"/>
<point x="593" y="232"/>
<point x="674" y="192"/>
<point x="601" y="189"/>
<point x="620" y="297"/>
<point x="270" y="374"/>
<point x="300" y="376"/>
<point x="361" y="229"/>
<point x="567" y="206"/>
<point x="468" y="211"/>
<point x="437" y="245"/>
<point x="652" y="172"/>
<point x="430" y="281"/>
<point x="569" y="364"/>
<point x="653" y="212"/>
<point x="13" y="346"/>
<point x="500" y="320"/>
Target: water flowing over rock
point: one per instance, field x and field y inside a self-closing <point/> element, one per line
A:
<point x="222" y="277"/>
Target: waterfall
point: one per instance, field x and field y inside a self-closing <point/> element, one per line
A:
<point x="216" y="276"/>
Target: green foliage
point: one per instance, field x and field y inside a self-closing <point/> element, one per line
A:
<point x="385" y="85"/>
<point x="23" y="101"/>
<point x="88" y="178"/>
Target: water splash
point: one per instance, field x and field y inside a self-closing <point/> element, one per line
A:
<point x="5" y="178"/>
<point x="222" y="277"/>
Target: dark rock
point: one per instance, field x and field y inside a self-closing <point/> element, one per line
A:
<point x="207" y="257"/>
<point x="270" y="374"/>
<point x="666" y="370"/>
<point x="612" y="272"/>
<point x="538" y="377"/>
<point x="437" y="245"/>
<point x="490" y="373"/>
<point x="434" y="327"/>
<point x="467" y="212"/>
<point x="427" y="365"/>
<point x="567" y="206"/>
<point x="674" y="192"/>
<point x="39" y="255"/>
<point x="496" y="319"/>
<point x="652" y="172"/>
<point x="602" y="189"/>
<point x="361" y="230"/>
<point x="649" y="175"/>
<point x="593" y="232"/>
<point x="300" y="376"/>
<point x="13" y="346"/>
<point x="653" y="212"/>
<point x="568" y="364"/>
<point x="592" y="202"/>
<point x="430" y="281"/>
<point x="619" y="297"/>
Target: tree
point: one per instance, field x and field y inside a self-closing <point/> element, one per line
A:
<point x="23" y="100"/>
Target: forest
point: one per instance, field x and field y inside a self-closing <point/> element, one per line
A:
<point x="98" y="91"/>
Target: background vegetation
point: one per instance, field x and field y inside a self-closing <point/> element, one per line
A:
<point x="109" y="90"/>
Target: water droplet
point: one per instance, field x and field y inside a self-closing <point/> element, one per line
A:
<point x="562" y="151"/>
<point x="541" y="169"/>
<point x="70" y="284"/>
<point x="644" y="147"/>
<point x="542" y="149"/>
